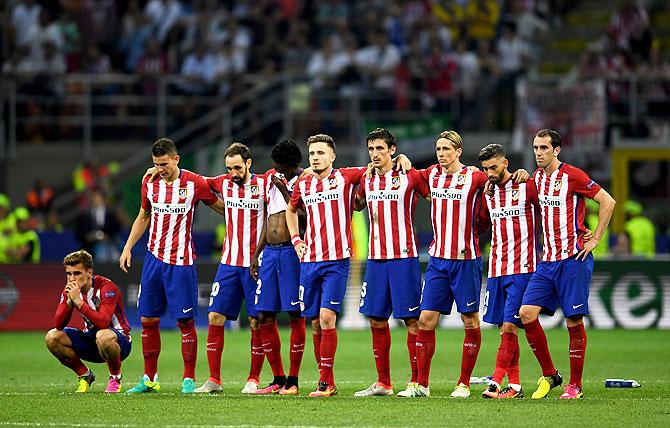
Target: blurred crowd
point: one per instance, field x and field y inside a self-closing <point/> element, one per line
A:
<point x="399" y="53"/>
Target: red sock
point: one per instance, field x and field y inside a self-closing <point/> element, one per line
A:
<point x="381" y="345"/>
<point x="471" y="345"/>
<point x="297" y="345"/>
<point x="513" y="375"/>
<point x="328" y="349"/>
<point x="316" y="339"/>
<point x="411" y="347"/>
<point x="272" y="347"/>
<point x="538" y="344"/>
<point x="114" y="365"/>
<point x="189" y="347"/>
<point x="257" y="355"/>
<point x="151" y="347"/>
<point x="577" y="353"/>
<point x="75" y="364"/>
<point x="425" y="348"/>
<point x="215" y="341"/>
<point x="504" y="357"/>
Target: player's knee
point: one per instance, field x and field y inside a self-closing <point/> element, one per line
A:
<point x="52" y="338"/>
<point x="508" y="327"/>
<point x="316" y="326"/>
<point x="378" y="323"/>
<point x="216" y="318"/>
<point x="253" y="323"/>
<point x="266" y="317"/>
<point x="574" y="320"/>
<point x="470" y="320"/>
<point x="528" y="314"/>
<point x="428" y="321"/>
<point x="105" y="338"/>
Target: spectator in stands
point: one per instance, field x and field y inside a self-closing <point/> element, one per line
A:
<point x="640" y="230"/>
<point x="150" y="66"/>
<point x="163" y="15"/>
<point x="451" y="14"/>
<point x="92" y="175"/>
<point x="7" y="219"/>
<point x="69" y="28"/>
<point x="512" y="55"/>
<point x="197" y="72"/>
<point x="630" y="25"/>
<point x="441" y="70"/>
<point x="377" y="63"/>
<point x="25" y="15"/>
<point x="325" y="66"/>
<point x="99" y="23"/>
<point x="481" y="19"/>
<point x="228" y="65"/>
<point x="97" y="228"/>
<point x="24" y="243"/>
<point x="39" y="198"/>
<point x="136" y="30"/>
<point x="327" y="13"/>
<point x="469" y="72"/>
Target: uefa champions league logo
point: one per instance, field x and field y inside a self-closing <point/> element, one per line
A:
<point x="9" y="296"/>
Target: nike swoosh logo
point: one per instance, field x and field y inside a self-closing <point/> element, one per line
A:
<point x="211" y="343"/>
<point x="295" y="303"/>
<point x="186" y="335"/>
<point x="576" y="306"/>
<point x="334" y="303"/>
<point x="575" y="350"/>
<point x="517" y="317"/>
<point x="414" y="308"/>
<point x="324" y="358"/>
<point x="471" y="303"/>
<point x="187" y="310"/>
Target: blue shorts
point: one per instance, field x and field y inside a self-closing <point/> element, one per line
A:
<point x="278" y="280"/>
<point x="447" y="281"/>
<point x="565" y="283"/>
<point x="167" y="286"/>
<point x="322" y="285"/>
<point x="232" y="284"/>
<point x="503" y="298"/>
<point x="83" y="344"/>
<point x="391" y="285"/>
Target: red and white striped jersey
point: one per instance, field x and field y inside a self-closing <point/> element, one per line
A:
<point x="172" y="206"/>
<point x="511" y="212"/>
<point x="455" y="205"/>
<point x="102" y="308"/>
<point x="561" y="196"/>
<point x="245" y="214"/>
<point x="391" y="199"/>
<point x="328" y="203"/>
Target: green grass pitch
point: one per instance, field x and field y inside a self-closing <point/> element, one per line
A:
<point x="35" y="390"/>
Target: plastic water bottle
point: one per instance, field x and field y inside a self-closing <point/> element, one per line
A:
<point x="484" y="380"/>
<point x="621" y="383"/>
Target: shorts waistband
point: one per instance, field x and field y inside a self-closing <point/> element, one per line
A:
<point x="280" y="245"/>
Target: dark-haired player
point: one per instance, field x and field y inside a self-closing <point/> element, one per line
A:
<point x="278" y="276"/>
<point x="510" y="212"/>
<point x="564" y="274"/>
<point x="169" y="279"/>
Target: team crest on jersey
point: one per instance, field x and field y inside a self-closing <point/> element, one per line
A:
<point x="332" y="182"/>
<point x="557" y="185"/>
<point x="395" y="183"/>
<point x="254" y="189"/>
<point x="183" y="193"/>
<point x="460" y="180"/>
<point x="515" y="194"/>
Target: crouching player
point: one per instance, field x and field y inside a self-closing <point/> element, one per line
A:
<point x="106" y="333"/>
<point x="510" y="211"/>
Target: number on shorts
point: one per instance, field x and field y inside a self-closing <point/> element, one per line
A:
<point x="301" y="293"/>
<point x="364" y="290"/>
<point x="258" y="288"/>
<point x="486" y="303"/>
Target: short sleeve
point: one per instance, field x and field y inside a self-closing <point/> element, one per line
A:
<point x="353" y="175"/>
<point x="204" y="191"/>
<point x="418" y="182"/>
<point x="582" y="184"/>
<point x="296" y="196"/>
<point x="146" y="203"/>
<point x="531" y="193"/>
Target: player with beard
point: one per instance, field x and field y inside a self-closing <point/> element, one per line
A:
<point x="563" y="276"/>
<point x="243" y="195"/>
